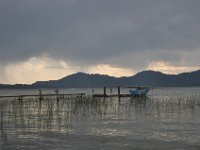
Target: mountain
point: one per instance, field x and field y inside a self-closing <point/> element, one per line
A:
<point x="152" y="78"/>
<point x="145" y="78"/>
<point x="78" y="80"/>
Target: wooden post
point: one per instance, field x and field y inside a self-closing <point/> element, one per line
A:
<point x="57" y="94"/>
<point x="118" y="90"/>
<point x="40" y="94"/>
<point x="104" y="91"/>
<point x="110" y="90"/>
<point x="20" y="98"/>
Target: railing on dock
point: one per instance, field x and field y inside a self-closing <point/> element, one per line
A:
<point x="58" y="95"/>
<point x="118" y="92"/>
<point x="41" y="96"/>
<point x="111" y="94"/>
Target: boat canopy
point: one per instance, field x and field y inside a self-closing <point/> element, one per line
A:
<point x="138" y="87"/>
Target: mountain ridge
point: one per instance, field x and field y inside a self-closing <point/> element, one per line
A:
<point x="144" y="78"/>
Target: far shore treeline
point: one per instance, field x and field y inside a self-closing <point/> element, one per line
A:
<point x="145" y="78"/>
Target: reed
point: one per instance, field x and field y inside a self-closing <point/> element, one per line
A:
<point x="50" y="114"/>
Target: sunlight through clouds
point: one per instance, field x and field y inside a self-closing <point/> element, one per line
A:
<point x="45" y="68"/>
<point x="36" y="69"/>
<point x="118" y="38"/>
<point x="166" y="67"/>
<point x="110" y="70"/>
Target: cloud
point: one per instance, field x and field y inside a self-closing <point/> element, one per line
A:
<point x="110" y="70"/>
<point x="37" y="69"/>
<point x="167" y="68"/>
<point x="92" y="32"/>
<point x="47" y="68"/>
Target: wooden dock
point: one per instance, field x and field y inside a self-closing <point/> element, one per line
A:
<point x="118" y="94"/>
<point x="112" y="95"/>
<point x="58" y="95"/>
<point x="42" y="96"/>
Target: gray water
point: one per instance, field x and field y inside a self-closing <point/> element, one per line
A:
<point x="168" y="118"/>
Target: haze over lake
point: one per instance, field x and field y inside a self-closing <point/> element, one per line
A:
<point x="54" y="47"/>
<point x="46" y="40"/>
<point x="168" y="118"/>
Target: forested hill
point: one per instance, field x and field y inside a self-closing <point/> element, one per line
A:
<point x="145" y="78"/>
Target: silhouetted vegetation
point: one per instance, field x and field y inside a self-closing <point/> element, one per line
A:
<point x="145" y="78"/>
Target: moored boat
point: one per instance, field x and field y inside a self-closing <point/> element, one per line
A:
<point x="139" y="91"/>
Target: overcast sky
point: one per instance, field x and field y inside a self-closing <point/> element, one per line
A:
<point x="49" y="39"/>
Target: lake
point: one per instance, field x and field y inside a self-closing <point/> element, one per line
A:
<point x="168" y="118"/>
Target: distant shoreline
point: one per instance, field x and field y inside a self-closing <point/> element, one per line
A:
<point x="144" y="78"/>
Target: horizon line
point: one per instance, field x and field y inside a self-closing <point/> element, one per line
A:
<point x="100" y="74"/>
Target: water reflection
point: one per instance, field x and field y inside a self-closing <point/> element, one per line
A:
<point x="89" y="115"/>
<point x="4" y="138"/>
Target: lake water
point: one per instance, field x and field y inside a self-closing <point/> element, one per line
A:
<point x="168" y="118"/>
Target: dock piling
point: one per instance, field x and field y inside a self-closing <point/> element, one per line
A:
<point x="20" y="98"/>
<point x="104" y="91"/>
<point x="57" y="94"/>
<point x="40" y="94"/>
<point x="118" y="89"/>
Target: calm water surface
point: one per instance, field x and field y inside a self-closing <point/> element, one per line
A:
<point x="169" y="118"/>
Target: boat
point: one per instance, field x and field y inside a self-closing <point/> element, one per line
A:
<point x="139" y="91"/>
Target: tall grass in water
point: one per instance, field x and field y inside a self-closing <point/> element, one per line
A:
<point x="68" y="113"/>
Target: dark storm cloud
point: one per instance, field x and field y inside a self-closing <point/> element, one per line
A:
<point x="99" y="31"/>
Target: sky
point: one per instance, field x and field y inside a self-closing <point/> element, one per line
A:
<point x="50" y="39"/>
